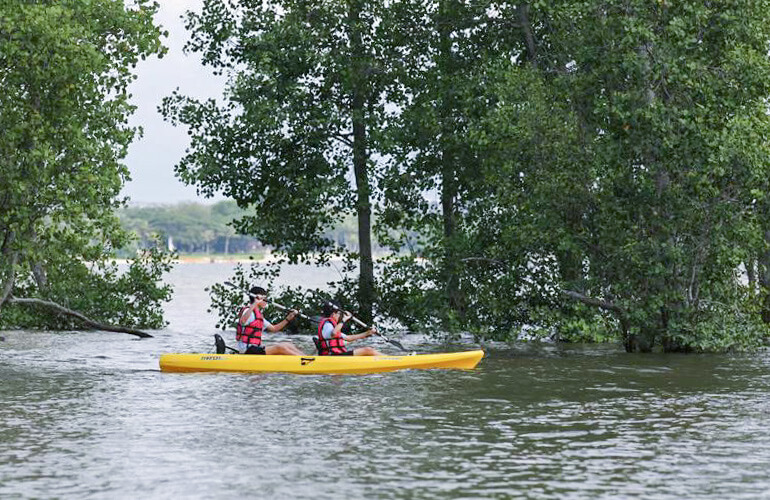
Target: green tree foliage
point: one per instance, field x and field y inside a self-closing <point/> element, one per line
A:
<point x="650" y="162"/>
<point x="298" y="125"/>
<point x="64" y="71"/>
<point x="433" y="170"/>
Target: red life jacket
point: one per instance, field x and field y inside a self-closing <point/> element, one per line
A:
<point x="250" y="334"/>
<point x="334" y="345"/>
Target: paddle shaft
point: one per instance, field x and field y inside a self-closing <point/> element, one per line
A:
<point x="276" y="304"/>
<point x="386" y="339"/>
<point x="284" y="308"/>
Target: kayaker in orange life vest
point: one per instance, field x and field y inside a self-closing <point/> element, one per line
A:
<point x="251" y="324"/>
<point x="331" y="340"/>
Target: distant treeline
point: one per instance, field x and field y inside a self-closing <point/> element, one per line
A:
<point x="190" y="227"/>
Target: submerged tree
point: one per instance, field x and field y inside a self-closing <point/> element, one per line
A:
<point x="64" y="70"/>
<point x="669" y="102"/>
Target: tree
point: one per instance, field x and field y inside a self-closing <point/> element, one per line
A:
<point x="668" y="104"/>
<point x="64" y="71"/>
<point x="432" y="182"/>
<point x="297" y="129"/>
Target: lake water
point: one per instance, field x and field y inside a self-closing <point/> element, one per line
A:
<point x="88" y="415"/>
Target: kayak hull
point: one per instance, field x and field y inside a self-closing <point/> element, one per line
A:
<point x="316" y="364"/>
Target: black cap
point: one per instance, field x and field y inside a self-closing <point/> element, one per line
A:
<point x="254" y="291"/>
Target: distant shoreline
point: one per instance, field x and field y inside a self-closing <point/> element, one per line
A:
<point x="222" y="259"/>
<point x="216" y="259"/>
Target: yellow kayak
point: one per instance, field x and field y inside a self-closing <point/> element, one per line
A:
<point x="316" y="364"/>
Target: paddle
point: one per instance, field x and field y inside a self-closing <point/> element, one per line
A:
<point x="386" y="339"/>
<point x="276" y="304"/>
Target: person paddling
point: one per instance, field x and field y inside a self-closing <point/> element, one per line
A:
<point x="331" y="340"/>
<point x="251" y="324"/>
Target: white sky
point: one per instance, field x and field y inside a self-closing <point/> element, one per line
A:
<point x="151" y="159"/>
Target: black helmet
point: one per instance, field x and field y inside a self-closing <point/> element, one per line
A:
<point x="330" y="307"/>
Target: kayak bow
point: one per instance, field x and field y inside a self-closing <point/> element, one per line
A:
<point x="316" y="364"/>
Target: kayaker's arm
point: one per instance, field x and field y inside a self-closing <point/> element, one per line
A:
<point x="246" y="316"/>
<point x="346" y="316"/>
<point x="341" y="323"/>
<point x="359" y="336"/>
<point x="280" y="326"/>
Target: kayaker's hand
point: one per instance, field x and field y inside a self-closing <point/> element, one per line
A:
<point x="370" y="332"/>
<point x="292" y="314"/>
<point x="346" y="316"/>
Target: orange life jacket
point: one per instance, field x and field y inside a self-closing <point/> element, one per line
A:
<point x="334" y="345"/>
<point x="250" y="334"/>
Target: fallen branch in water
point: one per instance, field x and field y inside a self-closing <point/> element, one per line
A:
<point x="69" y="312"/>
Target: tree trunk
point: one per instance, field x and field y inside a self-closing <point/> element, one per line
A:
<point x="764" y="279"/>
<point x="449" y="162"/>
<point x="571" y="261"/>
<point x="41" y="277"/>
<point x="451" y="259"/>
<point x="360" y="164"/>
<point x="8" y="269"/>
<point x="529" y="37"/>
<point x="87" y="321"/>
<point x="6" y="284"/>
<point x="632" y="342"/>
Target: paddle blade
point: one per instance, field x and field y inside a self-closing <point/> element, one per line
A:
<point x="394" y="342"/>
<point x="398" y="344"/>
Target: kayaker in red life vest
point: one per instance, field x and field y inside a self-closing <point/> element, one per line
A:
<point x="251" y="324"/>
<point x="331" y="340"/>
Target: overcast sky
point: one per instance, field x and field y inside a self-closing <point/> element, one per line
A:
<point x="151" y="159"/>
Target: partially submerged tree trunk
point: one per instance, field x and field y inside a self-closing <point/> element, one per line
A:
<point x="8" y="279"/>
<point x="59" y="309"/>
<point x="643" y="341"/>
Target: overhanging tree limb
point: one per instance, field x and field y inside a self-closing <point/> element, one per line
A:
<point x="603" y="304"/>
<point x="69" y="312"/>
<point x="591" y="301"/>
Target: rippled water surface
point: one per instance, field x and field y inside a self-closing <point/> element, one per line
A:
<point x="88" y="415"/>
